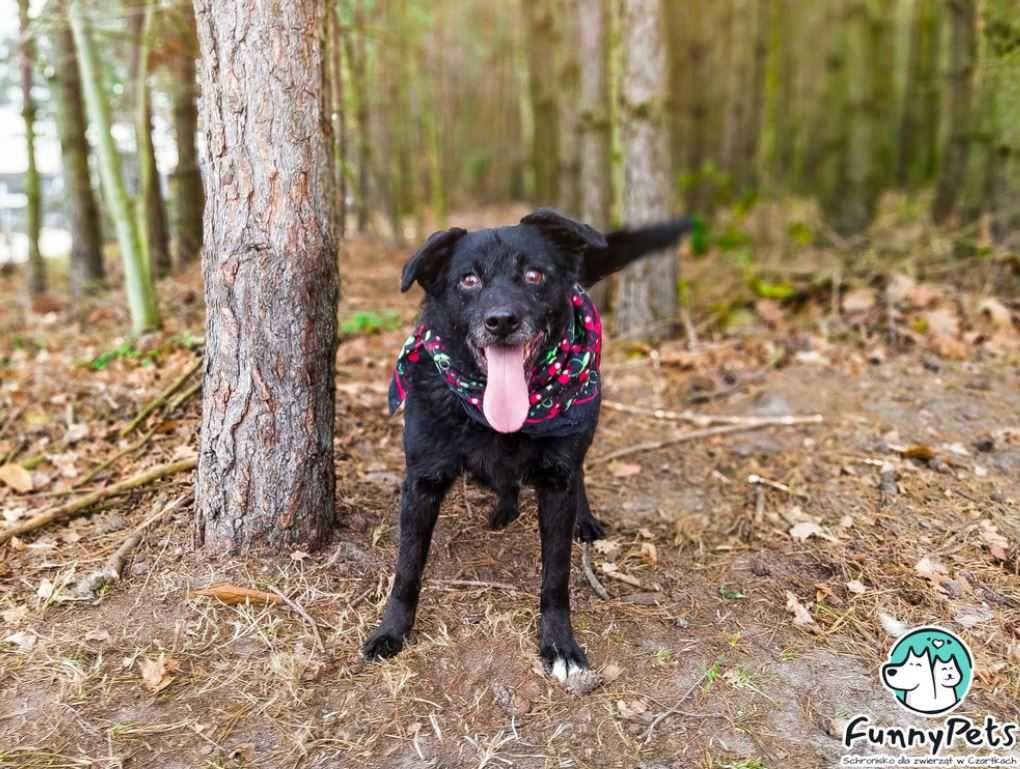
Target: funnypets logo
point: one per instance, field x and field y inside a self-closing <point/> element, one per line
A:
<point x="929" y="671"/>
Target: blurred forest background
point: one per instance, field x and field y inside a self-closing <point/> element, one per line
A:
<point x="440" y="106"/>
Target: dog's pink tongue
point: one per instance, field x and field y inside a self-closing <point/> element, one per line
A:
<point x="505" y="403"/>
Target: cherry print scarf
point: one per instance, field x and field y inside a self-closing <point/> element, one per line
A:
<point x="563" y="385"/>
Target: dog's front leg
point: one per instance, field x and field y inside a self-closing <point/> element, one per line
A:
<point x="557" y="510"/>
<point x="419" y="507"/>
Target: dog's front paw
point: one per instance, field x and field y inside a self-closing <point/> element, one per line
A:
<point x="563" y="658"/>
<point x="382" y="643"/>
<point x="503" y="514"/>
<point x="589" y="528"/>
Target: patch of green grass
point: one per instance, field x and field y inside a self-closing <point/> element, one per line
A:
<point x="713" y="674"/>
<point x="123" y="350"/>
<point x="730" y="595"/>
<point x="366" y="322"/>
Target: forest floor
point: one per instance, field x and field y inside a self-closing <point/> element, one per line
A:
<point x="754" y="613"/>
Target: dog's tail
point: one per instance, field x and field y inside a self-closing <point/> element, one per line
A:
<point x="630" y="244"/>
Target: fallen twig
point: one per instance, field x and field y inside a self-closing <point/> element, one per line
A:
<point x="184" y="396"/>
<point x="161" y="398"/>
<point x="708" y="432"/>
<point x="114" y="566"/>
<point x="589" y="572"/>
<point x="673" y="710"/>
<point x="70" y="509"/>
<point x="477" y="583"/>
<point x="294" y="606"/>
<point x="119" y="455"/>
<point x="701" y="420"/>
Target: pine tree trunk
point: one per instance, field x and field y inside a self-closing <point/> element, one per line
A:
<point x="959" y="103"/>
<point x="86" y="269"/>
<point x="137" y="278"/>
<point x="646" y="302"/>
<point x="738" y="36"/>
<point x="188" y="194"/>
<point x="542" y="91"/>
<point x="698" y="104"/>
<point x="33" y="192"/>
<point x="265" y="472"/>
<point x="357" y="58"/>
<point x="778" y="134"/>
<point x="153" y="211"/>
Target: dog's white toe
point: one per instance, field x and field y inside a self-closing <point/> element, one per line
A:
<point x="562" y="669"/>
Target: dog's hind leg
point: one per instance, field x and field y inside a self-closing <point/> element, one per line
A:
<point x="507" y="507"/>
<point x="588" y="527"/>
<point x="421" y="497"/>
<point x="557" y="510"/>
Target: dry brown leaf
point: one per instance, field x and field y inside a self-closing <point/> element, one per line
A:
<point x="156" y="674"/>
<point x="996" y="312"/>
<point x="804" y="530"/>
<point x="17" y="477"/>
<point x="801" y="616"/>
<point x="624" y="469"/>
<point x="998" y="545"/>
<point x="919" y="451"/>
<point x="632" y="710"/>
<point x="929" y="568"/>
<point x="611" y="672"/>
<point x="892" y="625"/>
<point x="232" y="594"/>
<point x="858" y="300"/>
<point x="948" y="346"/>
<point x="649" y="553"/>
<point x="856" y="586"/>
<point x="611" y="570"/>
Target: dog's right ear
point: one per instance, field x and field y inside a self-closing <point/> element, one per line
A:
<point x="429" y="260"/>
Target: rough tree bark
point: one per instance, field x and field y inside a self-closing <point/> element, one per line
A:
<point x="188" y="194"/>
<point x="33" y="194"/>
<point x="542" y="89"/>
<point x="87" y="269"/>
<point x="357" y="59"/>
<point x="265" y="471"/>
<point x="646" y="302"/>
<point x="337" y="114"/>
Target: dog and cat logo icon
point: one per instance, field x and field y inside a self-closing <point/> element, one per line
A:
<point x="929" y="671"/>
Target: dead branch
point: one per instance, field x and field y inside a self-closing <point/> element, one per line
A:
<point x="589" y="572"/>
<point x="114" y="566"/>
<point x="184" y="396"/>
<point x="114" y="458"/>
<point x="161" y="398"/>
<point x="673" y="710"/>
<point x="708" y="432"/>
<point x="73" y="508"/>
<point x="296" y="608"/>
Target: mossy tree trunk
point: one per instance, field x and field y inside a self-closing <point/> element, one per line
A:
<point x="646" y="300"/>
<point x="86" y="268"/>
<point x="543" y="90"/>
<point x="137" y="276"/>
<point x="265" y="473"/>
<point x="919" y="123"/>
<point x="33" y="190"/>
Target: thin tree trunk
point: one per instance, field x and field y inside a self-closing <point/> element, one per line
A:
<point x="152" y="214"/>
<point x="738" y="86"/>
<point x="542" y="90"/>
<point x="698" y="104"/>
<point x="357" y="58"/>
<point x="596" y="190"/>
<point x="137" y="278"/>
<point x="959" y="103"/>
<point x="1002" y="42"/>
<point x="647" y="290"/>
<point x="778" y="92"/>
<point x="265" y="472"/>
<point x="919" y="124"/>
<point x="86" y="270"/>
<point x="33" y="192"/>
<point x="188" y="194"/>
<point x="338" y="114"/>
<point x="568" y="191"/>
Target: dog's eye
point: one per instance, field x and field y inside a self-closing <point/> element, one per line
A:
<point x="470" y="281"/>
<point x="534" y="277"/>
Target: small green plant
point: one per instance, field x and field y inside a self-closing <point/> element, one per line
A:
<point x="103" y="360"/>
<point x="730" y="595"/>
<point x="365" y="322"/>
<point x="747" y="763"/>
<point x="767" y="289"/>
<point x="713" y="674"/>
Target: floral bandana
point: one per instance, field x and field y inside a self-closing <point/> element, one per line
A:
<point x="563" y="385"/>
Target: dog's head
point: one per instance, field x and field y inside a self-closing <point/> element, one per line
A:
<point x="497" y="295"/>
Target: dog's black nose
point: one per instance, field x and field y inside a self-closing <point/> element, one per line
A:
<point x="502" y="322"/>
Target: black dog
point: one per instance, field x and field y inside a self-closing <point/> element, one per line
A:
<point x="501" y="380"/>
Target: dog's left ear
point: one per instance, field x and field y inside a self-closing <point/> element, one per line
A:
<point x="430" y="259"/>
<point x="573" y="237"/>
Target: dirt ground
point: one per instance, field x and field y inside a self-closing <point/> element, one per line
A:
<point x="902" y="501"/>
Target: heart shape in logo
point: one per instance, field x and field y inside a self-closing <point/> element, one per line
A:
<point x="937" y="642"/>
